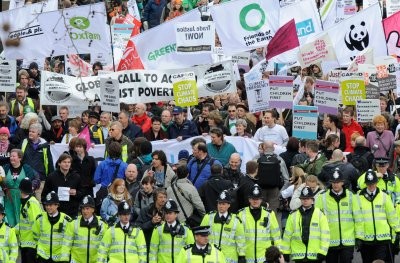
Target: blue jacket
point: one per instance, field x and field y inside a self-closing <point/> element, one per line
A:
<point x="104" y="174"/>
<point x="205" y="173"/>
<point x="187" y="130"/>
<point x="11" y="124"/>
<point x="152" y="12"/>
<point x="109" y="209"/>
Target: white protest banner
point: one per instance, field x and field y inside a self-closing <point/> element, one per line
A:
<point x="371" y="80"/>
<point x="367" y="109"/>
<point x="305" y="122"/>
<point x="185" y="89"/>
<point x="195" y="37"/>
<point x="16" y="4"/>
<point x="335" y="11"/>
<point x="26" y="31"/>
<point x="258" y="95"/>
<point x="352" y="86"/>
<point x="316" y="51"/>
<point x="133" y="9"/>
<point x="281" y="92"/>
<point x="305" y="14"/>
<point x="74" y="111"/>
<point x="392" y="6"/>
<point x="59" y="89"/>
<point x="364" y="57"/>
<point x="358" y="32"/>
<point x="298" y="85"/>
<point x="215" y="79"/>
<point x="77" y="30"/>
<point x="57" y="149"/>
<point x="109" y="91"/>
<point x="8" y="75"/>
<point x="161" y="54"/>
<point x="245" y="24"/>
<point x="326" y="96"/>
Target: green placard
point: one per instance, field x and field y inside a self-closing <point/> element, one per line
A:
<point x="185" y="91"/>
<point x="352" y="90"/>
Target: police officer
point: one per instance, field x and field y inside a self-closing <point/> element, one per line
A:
<point x="30" y="210"/>
<point x="261" y="227"/>
<point x="387" y="181"/>
<point x="201" y="251"/>
<point x="374" y="218"/>
<point x="168" y="239"/>
<point x="84" y="234"/>
<point x="8" y="239"/>
<point x="336" y="203"/>
<point x="48" y="231"/>
<point x="123" y="242"/>
<point x="96" y="133"/>
<point x="306" y="236"/>
<point x="227" y="231"/>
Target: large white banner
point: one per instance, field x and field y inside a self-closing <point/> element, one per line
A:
<point x="335" y="11"/>
<point x="357" y="33"/>
<point x="245" y="24"/>
<point x="25" y="38"/>
<point x="157" y="46"/>
<point x="78" y="30"/>
<point x="305" y="14"/>
<point x="247" y="148"/>
<point x="195" y="37"/>
<point x="58" y="89"/>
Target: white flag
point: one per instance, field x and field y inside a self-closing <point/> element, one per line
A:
<point x="245" y="24"/>
<point x="78" y="30"/>
<point x="357" y="33"/>
<point x="157" y="46"/>
<point x="335" y="11"/>
<point x="24" y="25"/>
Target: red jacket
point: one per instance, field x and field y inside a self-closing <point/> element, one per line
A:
<point x="144" y="122"/>
<point x="348" y="131"/>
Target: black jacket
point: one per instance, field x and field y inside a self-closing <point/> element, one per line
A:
<point x="132" y="131"/>
<point x="210" y="190"/>
<point x="288" y="158"/>
<point x="350" y="174"/>
<point x="360" y="150"/>
<point x="73" y="181"/>
<point x="85" y="168"/>
<point x="246" y="183"/>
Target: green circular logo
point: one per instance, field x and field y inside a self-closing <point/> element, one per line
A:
<point x="243" y="14"/>
<point x="79" y="22"/>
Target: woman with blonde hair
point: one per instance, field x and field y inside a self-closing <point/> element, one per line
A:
<point x="74" y="127"/>
<point x="117" y="193"/>
<point x="311" y="181"/>
<point x="380" y="140"/>
<point x="215" y="121"/>
<point x="22" y="133"/>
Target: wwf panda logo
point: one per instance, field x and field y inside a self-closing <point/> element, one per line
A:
<point x="357" y="38"/>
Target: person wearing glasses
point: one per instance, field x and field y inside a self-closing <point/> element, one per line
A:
<point x="230" y="120"/>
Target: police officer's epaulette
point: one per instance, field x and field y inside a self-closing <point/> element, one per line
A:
<point x="39" y="216"/>
<point x="68" y="218"/>
<point x="267" y="209"/>
<point x="293" y="211"/>
<point x="7" y="224"/>
<point x="323" y="191"/>
<point x="217" y="247"/>
<point x="188" y="246"/>
<point x="212" y="212"/>
<point x="237" y="217"/>
<point x="240" y="210"/>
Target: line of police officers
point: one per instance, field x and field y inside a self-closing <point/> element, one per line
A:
<point x="327" y="228"/>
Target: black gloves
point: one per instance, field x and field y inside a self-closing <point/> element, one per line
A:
<point x="286" y="257"/>
<point x="358" y="244"/>
<point x="241" y="259"/>
<point x="320" y="256"/>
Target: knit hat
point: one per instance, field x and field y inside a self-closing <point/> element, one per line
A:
<point x="5" y="130"/>
<point x="146" y="148"/>
<point x="183" y="154"/>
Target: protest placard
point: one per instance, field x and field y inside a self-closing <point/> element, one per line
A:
<point x="109" y="90"/>
<point x="370" y="79"/>
<point x="195" y="37"/>
<point x="281" y="92"/>
<point x="305" y="122"/>
<point x="8" y="75"/>
<point x="367" y="109"/>
<point x="258" y="95"/>
<point x="353" y="87"/>
<point x="386" y="73"/>
<point x="326" y="96"/>
<point x="185" y="89"/>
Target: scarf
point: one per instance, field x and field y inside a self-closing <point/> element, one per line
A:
<point x="4" y="146"/>
<point x="118" y="197"/>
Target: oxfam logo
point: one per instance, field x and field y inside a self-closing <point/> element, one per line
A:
<point x="79" y="22"/>
<point x="245" y="12"/>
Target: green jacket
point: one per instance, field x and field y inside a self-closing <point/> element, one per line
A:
<point x="314" y="167"/>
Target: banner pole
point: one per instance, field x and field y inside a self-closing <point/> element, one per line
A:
<point x="112" y="48"/>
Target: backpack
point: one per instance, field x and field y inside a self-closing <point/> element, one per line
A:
<point x="360" y="162"/>
<point x="269" y="171"/>
<point x="142" y="167"/>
